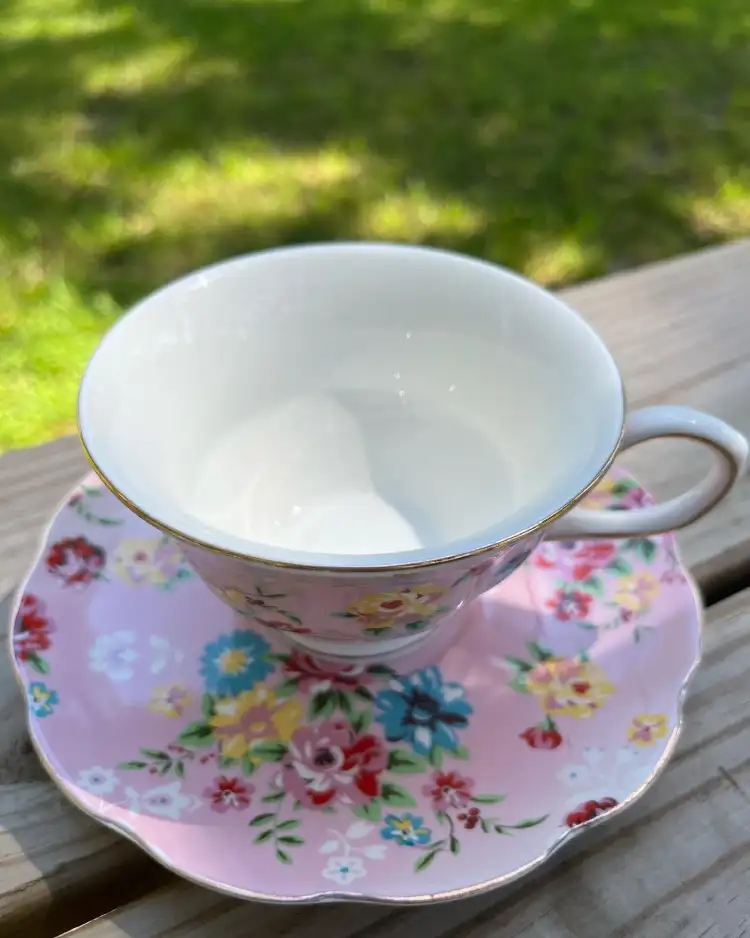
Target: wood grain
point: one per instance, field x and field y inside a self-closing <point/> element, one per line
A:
<point x="678" y="863"/>
<point x="681" y="332"/>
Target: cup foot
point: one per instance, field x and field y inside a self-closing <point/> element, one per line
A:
<point x="356" y="649"/>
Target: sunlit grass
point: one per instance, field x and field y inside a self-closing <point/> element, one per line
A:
<point x="140" y="140"/>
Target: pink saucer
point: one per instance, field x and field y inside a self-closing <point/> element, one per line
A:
<point x="244" y="764"/>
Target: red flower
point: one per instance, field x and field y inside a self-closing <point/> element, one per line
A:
<point x="75" y="561"/>
<point x="591" y="556"/>
<point x="470" y="819"/>
<point x="588" y="810"/>
<point x="569" y="604"/>
<point x="448" y="790"/>
<point x="542" y="737"/>
<point x="32" y="628"/>
<point x="366" y="758"/>
<point x="228" y="793"/>
<point x="315" y="676"/>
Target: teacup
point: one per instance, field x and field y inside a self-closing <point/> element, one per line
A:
<point x="353" y="441"/>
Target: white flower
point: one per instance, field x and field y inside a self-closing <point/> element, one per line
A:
<point x="163" y="801"/>
<point x="113" y="656"/>
<point x="375" y="851"/>
<point x="358" y="829"/>
<point x="344" y="870"/>
<point x="163" y="653"/>
<point x="98" y="781"/>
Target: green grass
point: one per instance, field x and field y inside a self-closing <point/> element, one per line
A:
<point x="565" y="138"/>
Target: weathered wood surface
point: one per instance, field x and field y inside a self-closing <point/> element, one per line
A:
<point x="677" y="863"/>
<point x="681" y="332"/>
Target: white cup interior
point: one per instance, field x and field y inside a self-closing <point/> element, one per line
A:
<point x="351" y="405"/>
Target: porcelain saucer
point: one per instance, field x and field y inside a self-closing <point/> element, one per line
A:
<point x="251" y="767"/>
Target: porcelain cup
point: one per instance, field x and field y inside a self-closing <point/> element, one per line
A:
<point x="353" y="441"/>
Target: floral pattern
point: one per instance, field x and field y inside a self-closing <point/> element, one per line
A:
<point x="353" y="763"/>
<point x="152" y="561"/>
<point x="83" y="503"/>
<point x="412" y="607"/>
<point x="32" y="633"/>
<point x="75" y="561"/>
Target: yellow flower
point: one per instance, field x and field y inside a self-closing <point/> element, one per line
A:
<point x="253" y="717"/>
<point x="384" y="610"/>
<point x="170" y="701"/>
<point x="646" y="728"/>
<point x="153" y="560"/>
<point x="636" y="592"/>
<point x="569" y="688"/>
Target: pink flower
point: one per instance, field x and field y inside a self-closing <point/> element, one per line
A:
<point x="327" y="763"/>
<point x="448" y="790"/>
<point x="314" y="676"/>
<point x="228" y="793"/>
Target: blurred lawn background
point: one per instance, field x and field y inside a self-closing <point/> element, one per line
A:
<point x="138" y="140"/>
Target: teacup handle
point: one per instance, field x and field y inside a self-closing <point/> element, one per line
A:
<point x="730" y="451"/>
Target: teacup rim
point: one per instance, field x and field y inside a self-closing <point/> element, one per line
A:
<point x="370" y="565"/>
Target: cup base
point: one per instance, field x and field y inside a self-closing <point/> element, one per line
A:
<point x="368" y="650"/>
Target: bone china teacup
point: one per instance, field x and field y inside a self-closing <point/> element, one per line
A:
<point x="352" y="441"/>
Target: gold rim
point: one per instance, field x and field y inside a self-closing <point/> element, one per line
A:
<point x="323" y="897"/>
<point x="373" y="569"/>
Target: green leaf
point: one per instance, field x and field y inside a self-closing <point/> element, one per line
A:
<point x="197" y="734"/>
<point x="263" y="836"/>
<point x="647" y="549"/>
<point x="424" y="861"/>
<point x="260" y="819"/>
<point x="499" y="829"/>
<point x="417" y="625"/>
<point x="620" y="566"/>
<point x="377" y="630"/>
<point x="519" y="663"/>
<point x="593" y="585"/>
<point x="132" y="766"/>
<point x="343" y="615"/>
<point x="531" y="822"/>
<point x="282" y="856"/>
<point x="179" y="769"/>
<point x="488" y="799"/>
<point x="321" y="705"/>
<point x="247" y="765"/>
<point x="273" y="797"/>
<point x="369" y="811"/>
<point x="460" y="752"/>
<point x="381" y="670"/>
<point x="455" y="845"/>
<point x="518" y="684"/>
<point x="291" y="840"/>
<point x="207" y="706"/>
<point x="157" y="754"/>
<point x="286" y="688"/>
<point x="288" y="825"/>
<point x="539" y="652"/>
<point x="226" y="762"/>
<point x="392" y="794"/>
<point x="485" y="825"/>
<point x="268" y="751"/>
<point x="361" y="721"/>
<point x="165" y="767"/>
<point x="343" y="702"/>
<point x="364" y="692"/>
<point x="404" y="761"/>
<point x="435" y="758"/>
<point x="39" y="664"/>
<point x="622" y="487"/>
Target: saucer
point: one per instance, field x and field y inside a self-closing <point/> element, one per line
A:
<point x="249" y="766"/>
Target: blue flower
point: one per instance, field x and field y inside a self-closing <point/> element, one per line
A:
<point x="235" y="663"/>
<point x="42" y="700"/>
<point x="423" y="710"/>
<point x="407" y="830"/>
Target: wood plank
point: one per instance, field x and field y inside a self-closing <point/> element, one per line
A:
<point x="677" y="863"/>
<point x="50" y="855"/>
